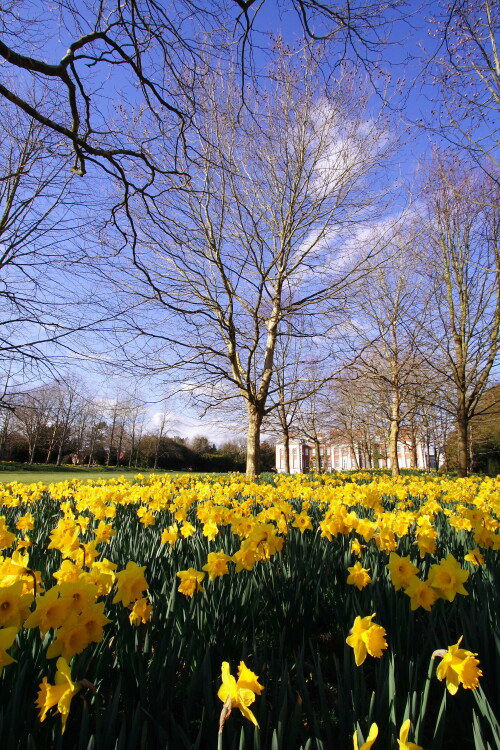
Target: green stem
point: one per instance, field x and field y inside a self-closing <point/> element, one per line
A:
<point x="423" y="704"/>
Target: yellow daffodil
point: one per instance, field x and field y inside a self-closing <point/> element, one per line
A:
<point x="102" y="575"/>
<point x="190" y="581"/>
<point x="358" y="576"/>
<point x="51" y="611"/>
<point x="366" y="638"/>
<point x="210" y="530"/>
<point x="94" y="620"/>
<point x="458" y="667"/>
<point x="7" y="538"/>
<point x="216" y="564"/>
<point x="187" y="529"/>
<point x="78" y="594"/>
<point x="246" y="557"/>
<point x="238" y="693"/>
<point x="475" y="557"/>
<point x="14" y="604"/>
<point x="302" y="522"/>
<point x="386" y="539"/>
<point x="148" y="519"/>
<point x="7" y="638"/>
<point x="68" y="572"/>
<point x="357" y="547"/>
<point x="75" y="631"/>
<point x="26" y="522"/>
<point x="372" y="736"/>
<point x="104" y="532"/>
<point x="141" y="612"/>
<point x="447" y="578"/>
<point x="401" y="570"/>
<point x="72" y="638"/>
<point x="403" y="738"/>
<point x="130" y="584"/>
<point x="59" y="695"/>
<point x="170" y="535"/>
<point x="420" y="593"/>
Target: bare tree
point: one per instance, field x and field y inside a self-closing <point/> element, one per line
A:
<point x="462" y="266"/>
<point x="301" y="372"/>
<point x="7" y="420"/>
<point x="135" y="428"/>
<point x="390" y="336"/>
<point x="467" y="73"/>
<point x="71" y="404"/>
<point x="263" y="236"/>
<point x="163" y="423"/>
<point x="354" y="417"/>
<point x="88" y="426"/>
<point x="32" y="194"/>
<point x="314" y="422"/>
<point x="288" y="391"/>
<point x="43" y="220"/>
<point x="151" y="54"/>
<point x="34" y="411"/>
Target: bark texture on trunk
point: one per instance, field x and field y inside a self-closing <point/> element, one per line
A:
<point x="287" y="452"/>
<point x="253" y="441"/>
<point x="413" y="452"/>
<point x="394" y="435"/>
<point x="463" y="446"/>
<point x="355" y="456"/>
<point x="393" y="448"/>
<point x="319" y="463"/>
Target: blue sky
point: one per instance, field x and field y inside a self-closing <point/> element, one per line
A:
<point x="400" y="65"/>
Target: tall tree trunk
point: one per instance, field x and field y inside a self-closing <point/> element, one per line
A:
<point x="52" y="441"/>
<point x="5" y="430"/>
<point x="463" y="440"/>
<point x="413" y="450"/>
<point x="64" y="437"/>
<point x="352" y="446"/>
<point x="32" y="450"/>
<point x="157" y="450"/>
<point x="368" y="451"/>
<point x="287" y="452"/>
<point x="111" y="438"/>
<point x="394" y="434"/>
<point x="61" y="445"/>
<point x="120" y="443"/>
<point x="253" y="440"/>
<point x="91" y="453"/>
<point x="319" y="465"/>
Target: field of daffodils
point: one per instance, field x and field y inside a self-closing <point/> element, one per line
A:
<point x="309" y="612"/>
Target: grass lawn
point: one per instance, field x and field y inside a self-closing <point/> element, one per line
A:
<point x="29" y="474"/>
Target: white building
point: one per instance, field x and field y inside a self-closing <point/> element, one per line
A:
<point x="339" y="456"/>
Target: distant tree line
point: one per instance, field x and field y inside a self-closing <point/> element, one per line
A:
<point x="61" y="422"/>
